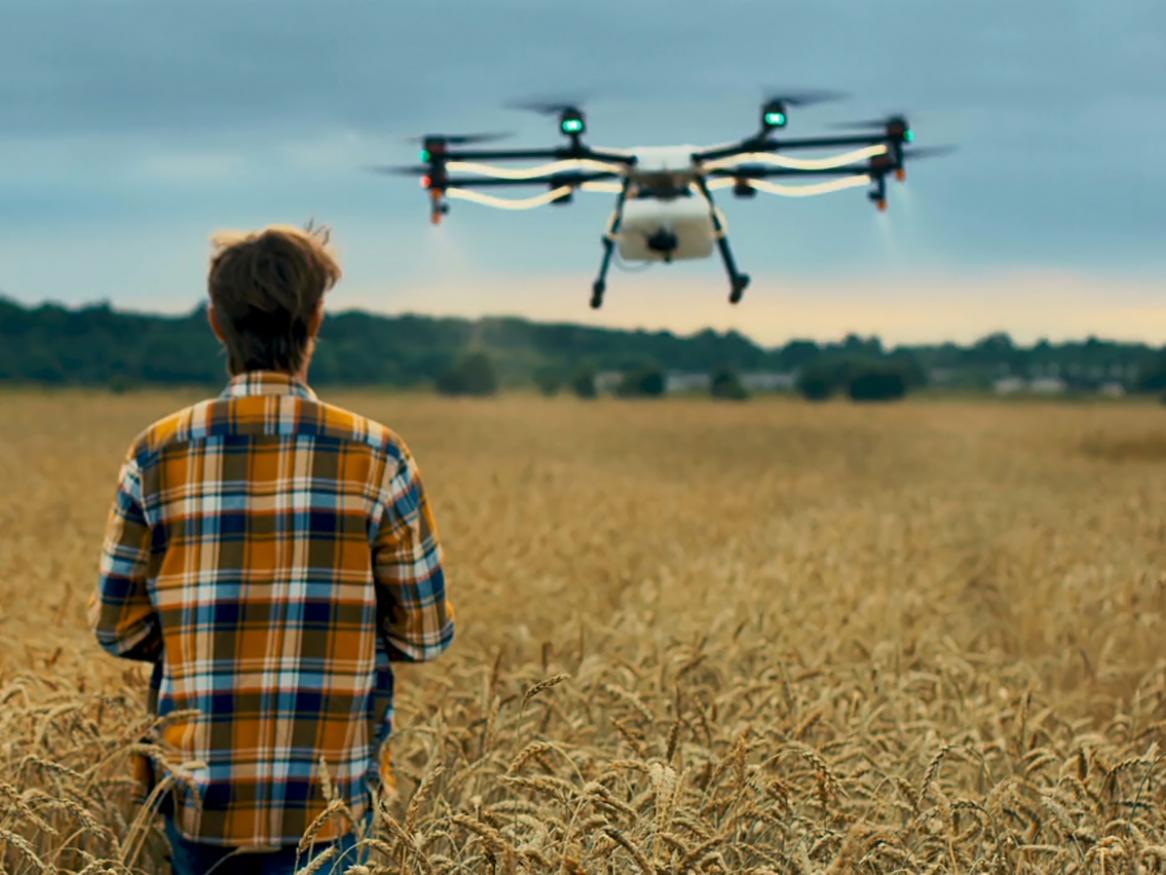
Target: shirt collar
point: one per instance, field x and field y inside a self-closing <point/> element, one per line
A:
<point x="266" y="383"/>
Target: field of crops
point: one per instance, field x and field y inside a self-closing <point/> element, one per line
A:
<point x="768" y="637"/>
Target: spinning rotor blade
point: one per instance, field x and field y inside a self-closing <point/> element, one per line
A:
<point x="871" y="123"/>
<point x="460" y="139"/>
<point x="547" y="105"/>
<point x="928" y="152"/>
<point x="865" y="124"/>
<point x="398" y="169"/>
<point x="802" y="97"/>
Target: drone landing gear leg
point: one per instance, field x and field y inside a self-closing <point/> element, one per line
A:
<point x="600" y="284"/>
<point x="609" y="237"/>
<point x="738" y="281"/>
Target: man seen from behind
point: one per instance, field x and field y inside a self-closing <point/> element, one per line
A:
<point x="271" y="554"/>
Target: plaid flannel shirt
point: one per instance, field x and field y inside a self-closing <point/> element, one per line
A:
<point x="271" y="554"/>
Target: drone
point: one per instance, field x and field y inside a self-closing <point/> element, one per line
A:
<point x="664" y="207"/>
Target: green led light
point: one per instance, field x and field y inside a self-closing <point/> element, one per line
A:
<point x="775" y="119"/>
<point x="572" y="126"/>
<point x="424" y="154"/>
<point x="909" y="135"/>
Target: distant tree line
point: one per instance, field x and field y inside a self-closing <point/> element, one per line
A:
<point x="861" y="378"/>
<point x="97" y="345"/>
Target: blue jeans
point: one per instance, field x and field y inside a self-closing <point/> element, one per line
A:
<point x="196" y="858"/>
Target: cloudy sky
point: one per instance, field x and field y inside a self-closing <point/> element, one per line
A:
<point x="131" y="129"/>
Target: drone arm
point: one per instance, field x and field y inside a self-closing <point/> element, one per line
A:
<point x="829" y="142"/>
<point x="762" y="144"/>
<point x="753" y="171"/>
<point x="554" y="180"/>
<point x="757" y="179"/>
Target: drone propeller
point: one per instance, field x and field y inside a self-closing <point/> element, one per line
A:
<point x="890" y="160"/>
<point x="572" y="121"/>
<point x="802" y="97"/>
<point x="548" y="105"/>
<point x="398" y="169"/>
<point x="929" y="151"/>
<point x="460" y="139"/>
<point x="889" y="120"/>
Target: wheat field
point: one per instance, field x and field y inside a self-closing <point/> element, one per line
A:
<point x="692" y="637"/>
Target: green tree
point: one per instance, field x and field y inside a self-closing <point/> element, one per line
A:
<point x="857" y="346"/>
<point x="797" y="354"/>
<point x="548" y="379"/>
<point x="818" y="380"/>
<point x="648" y="381"/>
<point x="726" y="385"/>
<point x="472" y="374"/>
<point x="877" y="382"/>
<point x="1152" y="375"/>
<point x="96" y="343"/>
<point x="908" y="364"/>
<point x="583" y="383"/>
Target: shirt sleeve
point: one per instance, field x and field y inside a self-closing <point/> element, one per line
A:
<point x="120" y="612"/>
<point x="414" y="615"/>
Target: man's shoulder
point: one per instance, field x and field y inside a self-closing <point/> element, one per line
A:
<point x="171" y="429"/>
<point x="319" y="418"/>
<point x="343" y="424"/>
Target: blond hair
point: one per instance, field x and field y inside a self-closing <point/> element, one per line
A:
<point x="265" y="287"/>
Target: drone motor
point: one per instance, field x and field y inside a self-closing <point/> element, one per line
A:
<point x="774" y="115"/>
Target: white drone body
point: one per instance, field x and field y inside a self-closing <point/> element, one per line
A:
<point x="664" y="203"/>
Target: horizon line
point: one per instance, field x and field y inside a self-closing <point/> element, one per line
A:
<point x="684" y="336"/>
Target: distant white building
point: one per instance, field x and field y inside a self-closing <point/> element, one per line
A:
<point x="607" y="381"/>
<point x="680" y="383"/>
<point x="1035" y="386"/>
<point x="1047" y="386"/>
<point x="768" y="381"/>
<point x="1009" y="385"/>
<point x="1112" y="390"/>
<point x="683" y="382"/>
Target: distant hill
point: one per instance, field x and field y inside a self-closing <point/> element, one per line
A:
<point x="98" y="345"/>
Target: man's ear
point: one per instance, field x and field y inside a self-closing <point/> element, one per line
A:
<point x="317" y="319"/>
<point x="213" y="319"/>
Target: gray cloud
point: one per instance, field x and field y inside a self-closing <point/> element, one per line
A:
<point x="68" y="65"/>
<point x="138" y="113"/>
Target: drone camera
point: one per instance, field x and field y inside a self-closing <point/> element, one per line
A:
<point x="664" y="241"/>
